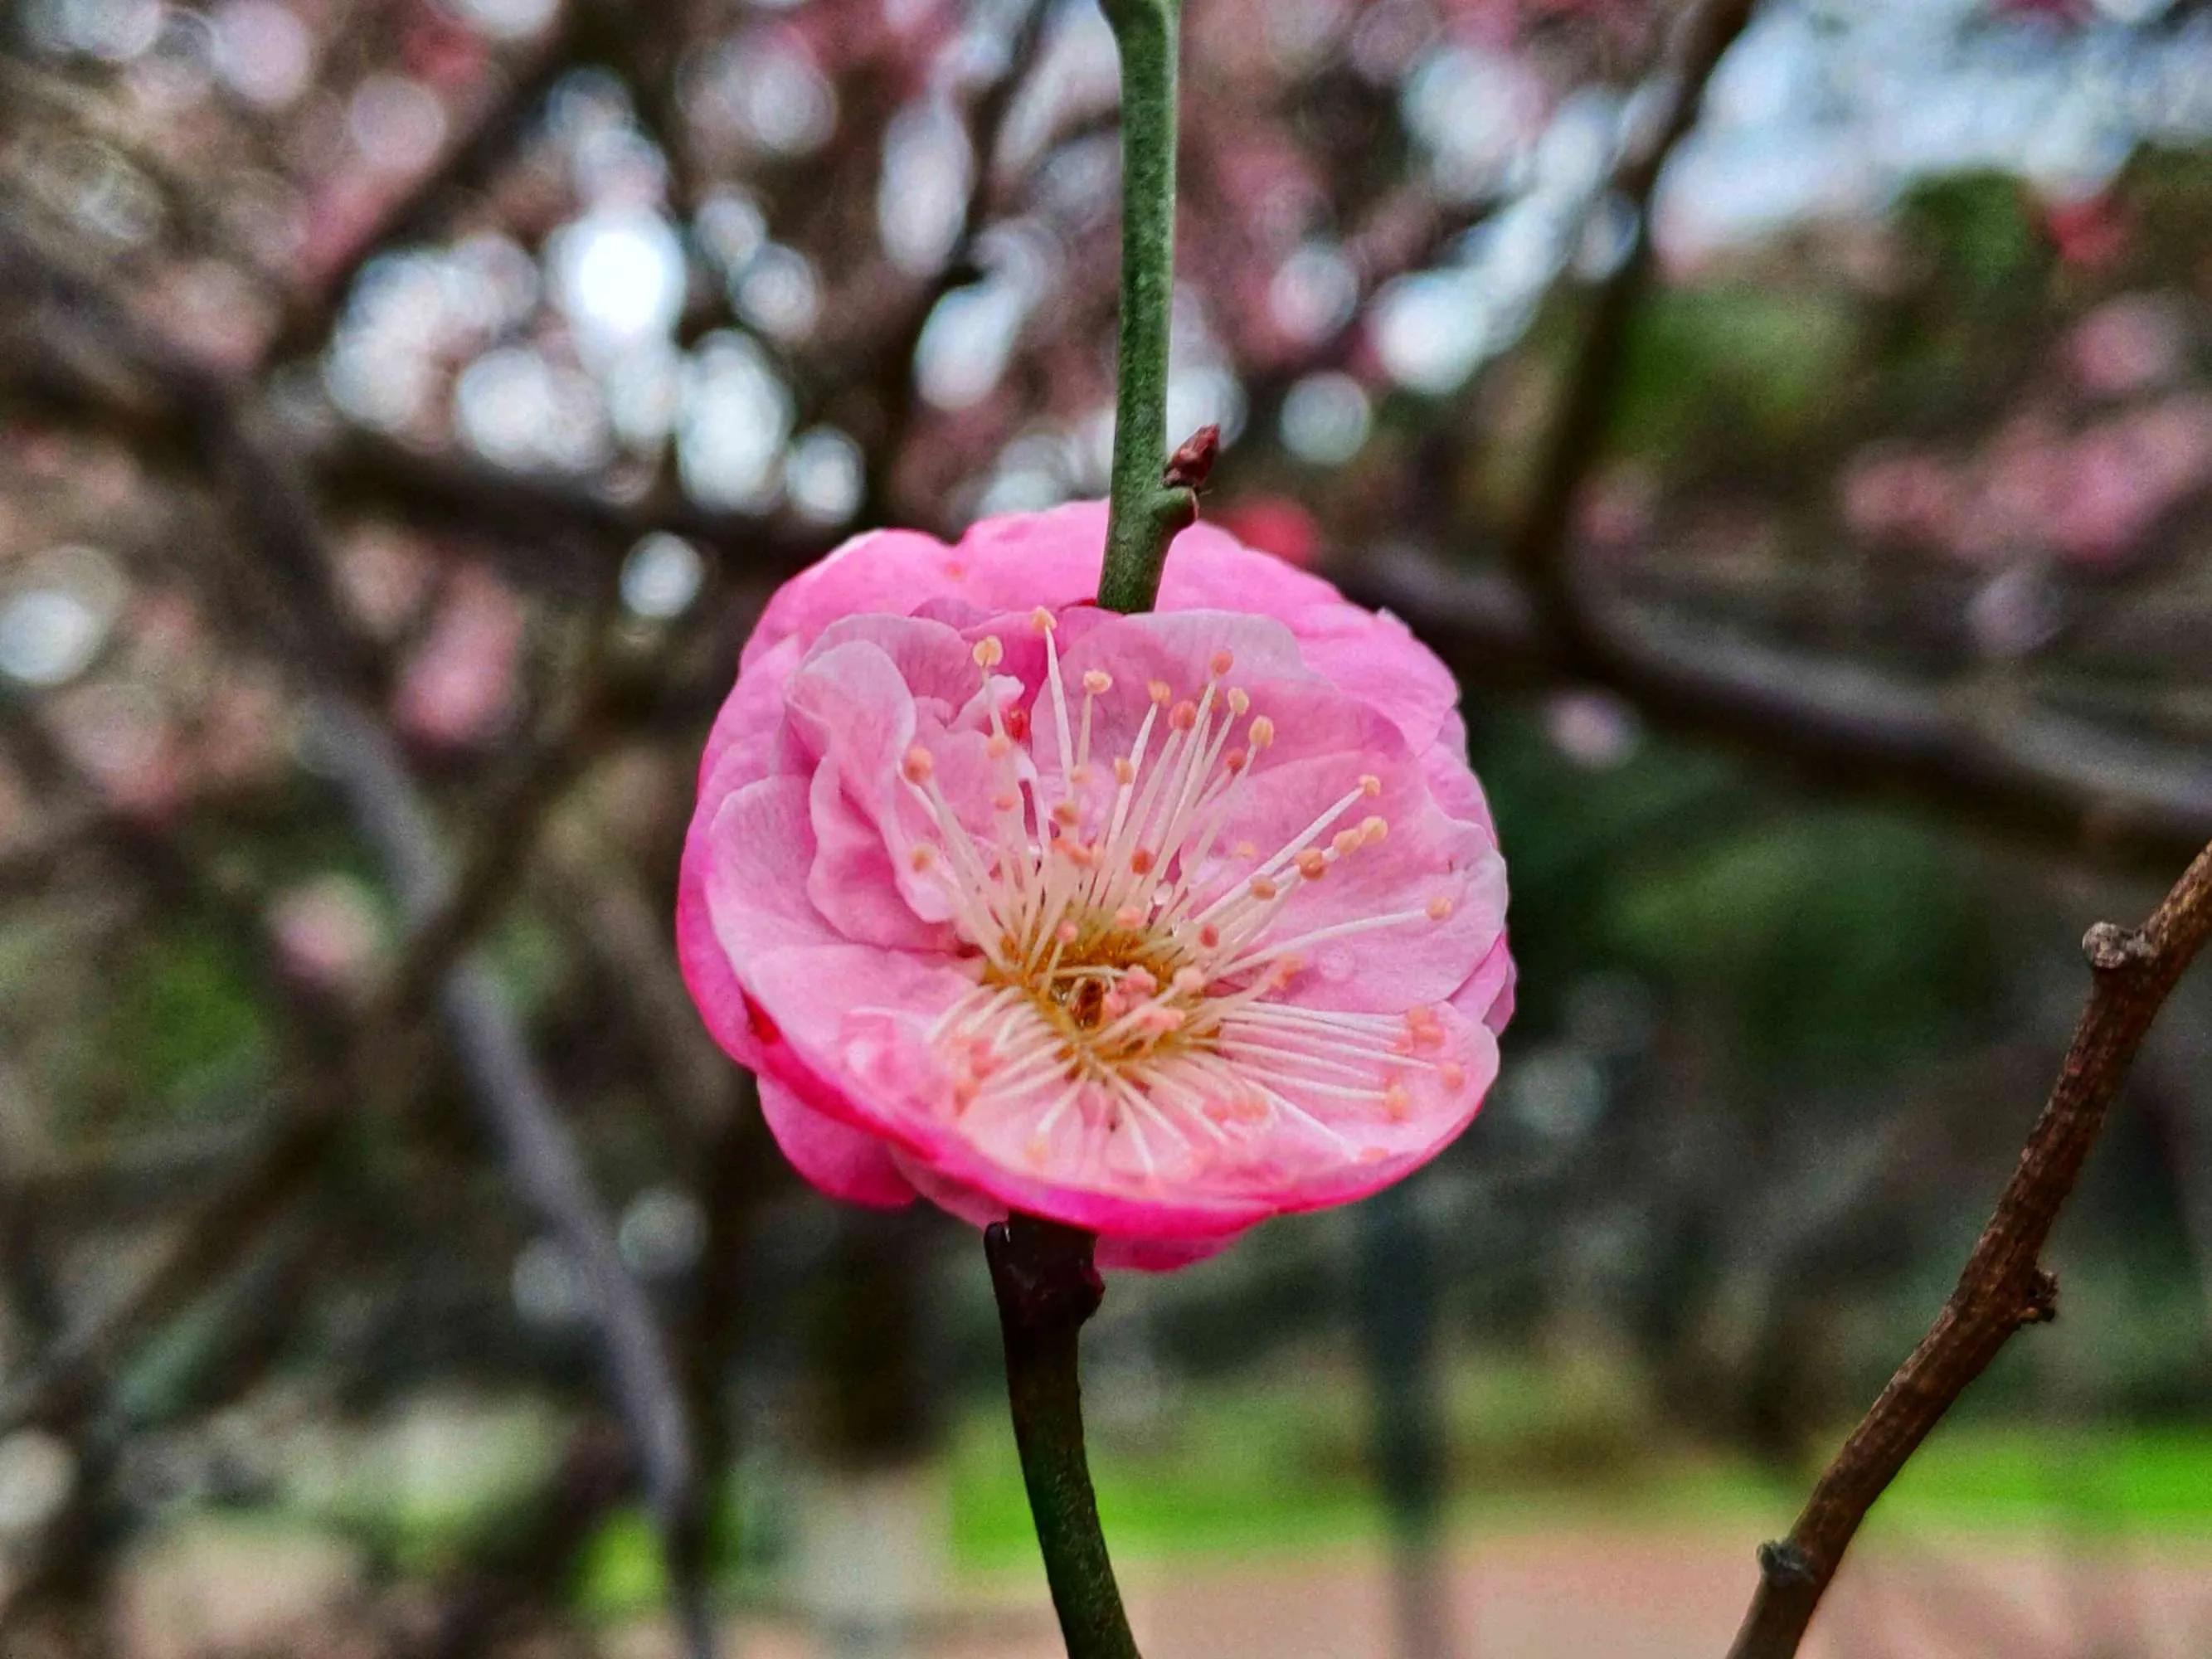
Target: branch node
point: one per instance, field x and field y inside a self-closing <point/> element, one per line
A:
<point x="1192" y="465"/>
<point x="1784" y="1565"/>
<point x="2112" y="949"/>
<point x="1043" y="1272"/>
<point x="2038" y="1303"/>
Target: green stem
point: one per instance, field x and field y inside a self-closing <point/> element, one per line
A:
<point x="1144" y="513"/>
<point x="1046" y="1287"/>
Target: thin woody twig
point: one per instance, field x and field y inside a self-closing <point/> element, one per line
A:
<point x="2002" y="1287"/>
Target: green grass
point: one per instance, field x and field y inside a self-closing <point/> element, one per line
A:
<point x="1255" y="1474"/>
<point x="2112" y="1481"/>
<point x="1246" y="1475"/>
<point x="1275" y="1466"/>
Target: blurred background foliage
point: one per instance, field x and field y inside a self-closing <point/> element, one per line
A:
<point x="407" y="405"/>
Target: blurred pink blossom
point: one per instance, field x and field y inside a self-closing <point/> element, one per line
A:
<point x="1900" y="497"/>
<point x="2126" y="345"/>
<point x="2121" y="475"/>
<point x="241" y="731"/>
<point x="327" y="931"/>
<point x="1276" y="525"/>
<point x="1157" y="925"/>
<point x="1616" y="510"/>
<point x="458" y="689"/>
<point x="2089" y="495"/>
<point x="1595" y="730"/>
<point x="383" y="577"/>
<point x="2090" y="231"/>
<point x="125" y="741"/>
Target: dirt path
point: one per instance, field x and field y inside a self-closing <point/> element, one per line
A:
<point x="1640" y="1595"/>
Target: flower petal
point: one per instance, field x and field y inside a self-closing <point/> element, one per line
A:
<point x="841" y="1161"/>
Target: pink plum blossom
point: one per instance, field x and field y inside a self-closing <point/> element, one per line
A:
<point x="1905" y="497"/>
<point x="2134" y="343"/>
<point x="459" y="688"/>
<point x="1158" y="926"/>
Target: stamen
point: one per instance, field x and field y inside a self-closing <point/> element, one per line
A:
<point x="1111" y="988"/>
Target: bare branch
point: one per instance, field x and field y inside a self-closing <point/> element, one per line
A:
<point x="2002" y="1287"/>
<point x="360" y="469"/>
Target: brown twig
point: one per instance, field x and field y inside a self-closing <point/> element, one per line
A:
<point x="2002" y="1287"/>
<point x="450" y="492"/>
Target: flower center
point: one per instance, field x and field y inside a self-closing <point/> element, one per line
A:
<point x="1127" y="961"/>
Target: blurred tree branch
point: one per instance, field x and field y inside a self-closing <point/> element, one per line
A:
<point x="2003" y="1286"/>
<point x="278" y="518"/>
<point x="1837" y="721"/>
<point x="1701" y="35"/>
<point x="893" y="361"/>
<point x="487" y="136"/>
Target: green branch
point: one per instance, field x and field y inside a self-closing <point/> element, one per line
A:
<point x="1143" y="512"/>
<point x="1046" y="1287"/>
<point x="1042" y="1273"/>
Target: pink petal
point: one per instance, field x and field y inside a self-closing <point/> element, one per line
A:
<point x="841" y="1161"/>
